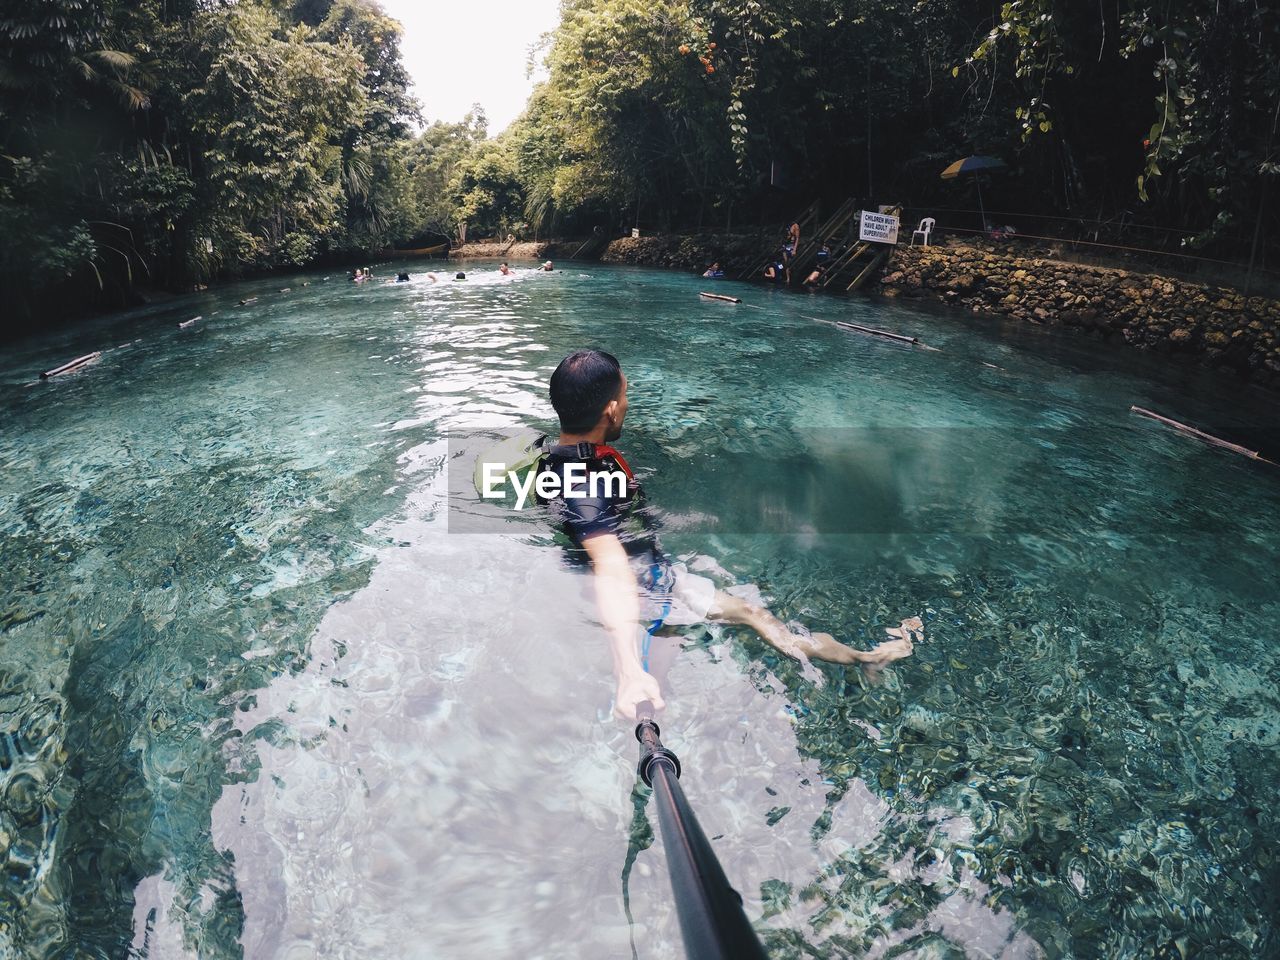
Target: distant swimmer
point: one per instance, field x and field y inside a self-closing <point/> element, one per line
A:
<point x="459" y="275"/>
<point x="714" y="272"/>
<point x="504" y="270"/>
<point x="402" y="277"/>
<point x="547" y="267"/>
<point x="433" y="278"/>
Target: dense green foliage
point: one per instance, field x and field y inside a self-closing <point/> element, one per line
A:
<point x="176" y="140"/>
<point x="180" y="140"/>
<point x="676" y="113"/>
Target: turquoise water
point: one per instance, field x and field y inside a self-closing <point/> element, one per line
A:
<point x="258" y="701"/>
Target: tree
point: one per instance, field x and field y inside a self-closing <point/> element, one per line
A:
<point x="271" y="115"/>
<point x="434" y="164"/>
<point x="376" y="210"/>
<point x="171" y="141"/>
<point x="1204" y="74"/>
<point x="490" y="198"/>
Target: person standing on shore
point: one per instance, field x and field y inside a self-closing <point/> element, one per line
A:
<point x="793" y="243"/>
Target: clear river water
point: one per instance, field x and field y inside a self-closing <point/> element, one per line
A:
<point x="258" y="699"/>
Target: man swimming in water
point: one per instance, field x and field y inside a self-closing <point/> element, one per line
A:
<point x="638" y="588"/>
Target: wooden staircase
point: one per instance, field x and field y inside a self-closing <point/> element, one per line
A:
<point x="852" y="261"/>
<point x="807" y="256"/>
<point x="593" y="247"/>
<point x="858" y="262"/>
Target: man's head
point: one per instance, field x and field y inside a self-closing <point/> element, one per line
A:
<point x="589" y="390"/>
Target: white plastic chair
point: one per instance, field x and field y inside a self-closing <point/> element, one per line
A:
<point x="925" y="228"/>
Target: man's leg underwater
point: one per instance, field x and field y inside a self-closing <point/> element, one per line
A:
<point x="821" y="646"/>
<point x="658" y="652"/>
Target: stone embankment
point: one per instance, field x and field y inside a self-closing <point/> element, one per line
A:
<point x="524" y="250"/>
<point x="737" y="253"/>
<point x="1217" y="325"/>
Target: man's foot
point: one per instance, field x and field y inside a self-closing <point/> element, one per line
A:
<point x="823" y="646"/>
<point x="901" y="643"/>
<point x="905" y="637"/>
<point x="890" y="650"/>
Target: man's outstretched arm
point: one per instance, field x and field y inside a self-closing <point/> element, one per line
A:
<point x="620" y="613"/>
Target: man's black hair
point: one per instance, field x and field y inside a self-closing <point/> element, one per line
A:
<point x="582" y="387"/>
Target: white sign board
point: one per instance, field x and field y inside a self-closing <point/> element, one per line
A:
<point x="878" y="228"/>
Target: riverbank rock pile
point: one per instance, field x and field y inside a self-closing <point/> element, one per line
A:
<point x="736" y="252"/>
<point x="525" y="250"/>
<point x="1218" y="325"/>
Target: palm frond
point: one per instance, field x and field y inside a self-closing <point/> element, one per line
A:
<point x="357" y="174"/>
<point x="131" y="97"/>
<point x="84" y="68"/>
<point x="117" y="60"/>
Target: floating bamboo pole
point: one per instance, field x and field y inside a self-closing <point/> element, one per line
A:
<point x="720" y="296"/>
<point x="1201" y="435"/>
<point x="75" y="364"/>
<point x="873" y="332"/>
<point x="187" y="323"/>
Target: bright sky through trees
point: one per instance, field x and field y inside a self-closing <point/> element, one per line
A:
<point x="460" y="55"/>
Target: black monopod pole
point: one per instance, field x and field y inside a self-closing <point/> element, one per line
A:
<point x="712" y="922"/>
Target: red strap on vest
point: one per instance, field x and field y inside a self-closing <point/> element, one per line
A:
<point x="604" y="450"/>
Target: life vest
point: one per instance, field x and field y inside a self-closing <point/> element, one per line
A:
<point x="526" y="452"/>
<point x="586" y="452"/>
<point x="529" y="451"/>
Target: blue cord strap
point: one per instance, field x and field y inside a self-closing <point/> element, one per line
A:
<point x="655" y="572"/>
